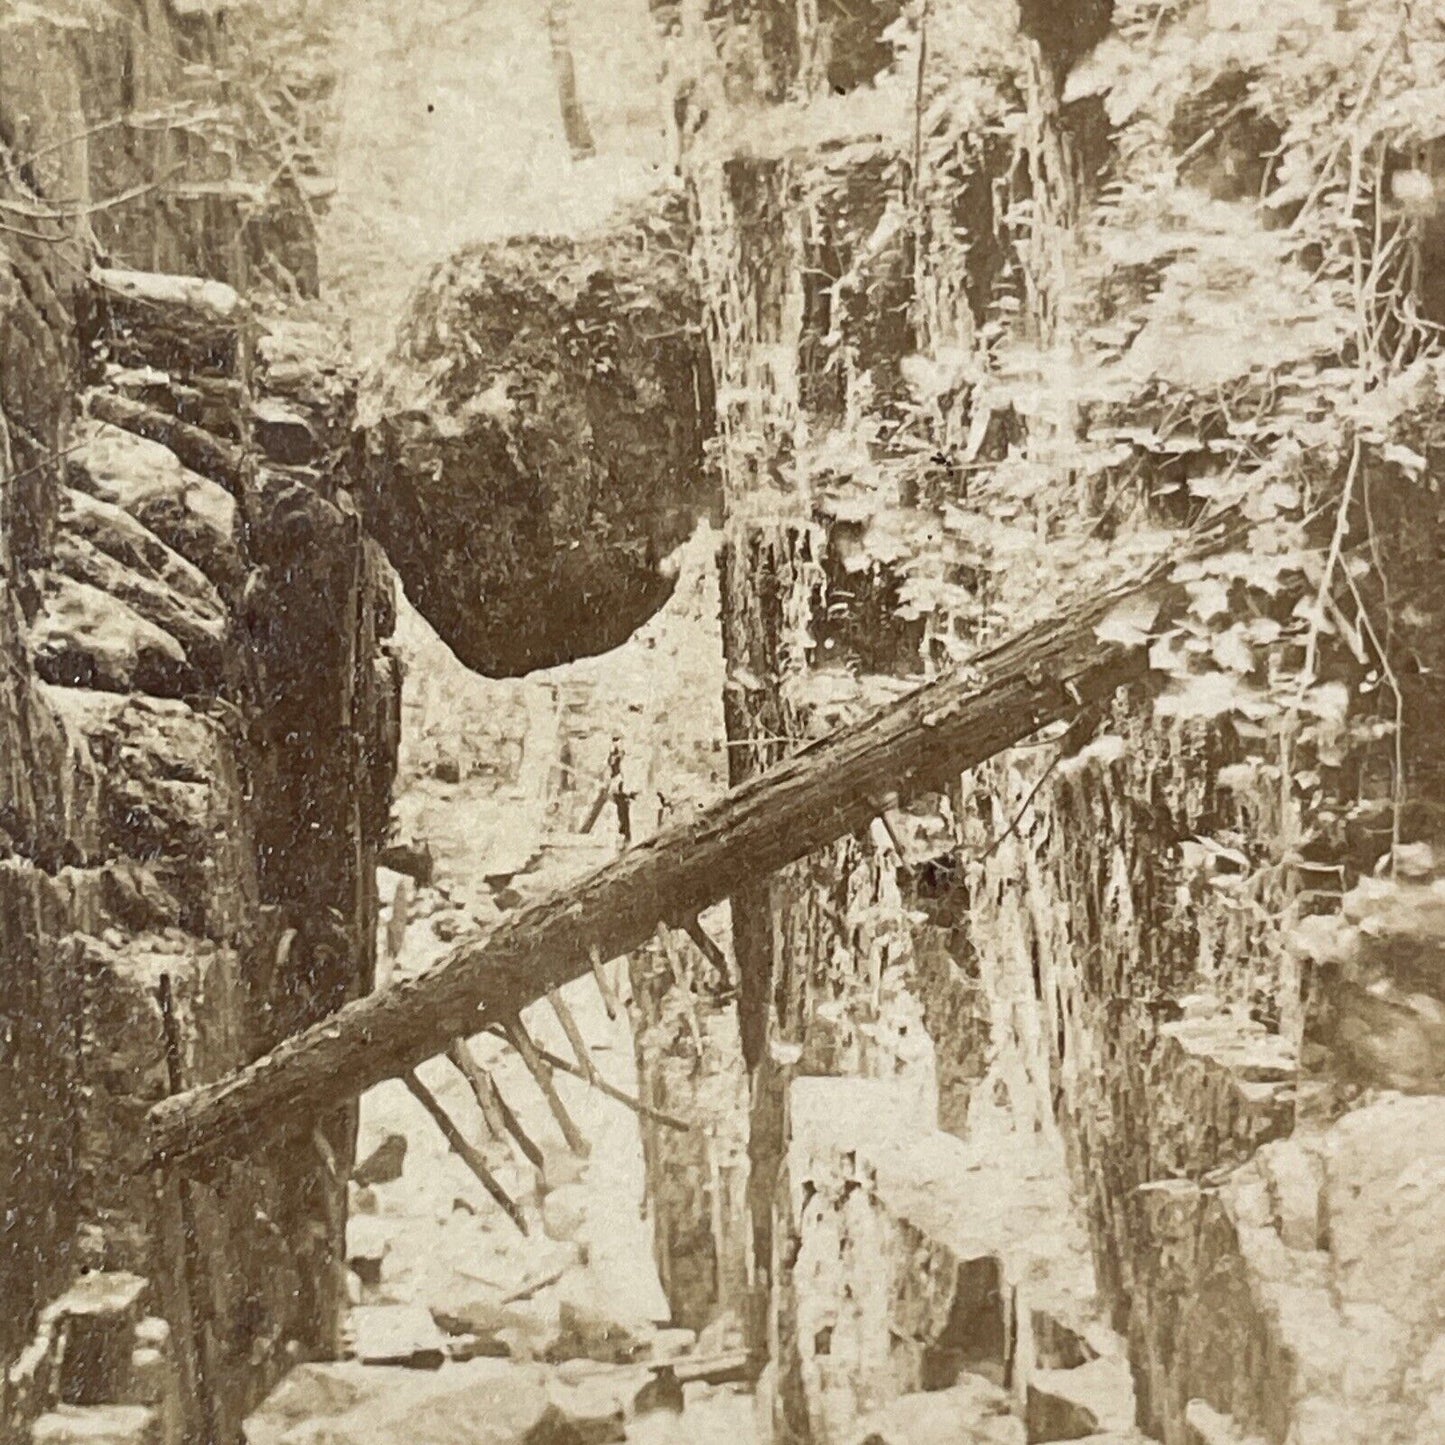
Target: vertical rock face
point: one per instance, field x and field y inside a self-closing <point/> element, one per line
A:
<point x="198" y="726"/>
<point x="40" y="793"/>
<point x="687" y="1057"/>
<point x="535" y="441"/>
<point x="946" y="366"/>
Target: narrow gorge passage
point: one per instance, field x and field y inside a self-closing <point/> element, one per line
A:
<point x="453" y="154"/>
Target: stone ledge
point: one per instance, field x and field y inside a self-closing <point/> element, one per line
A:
<point x="97" y="1425"/>
<point x="192" y="515"/>
<point x="81" y="1355"/>
<point x="874" y="1128"/>
<point x="85" y="638"/>
<point x="101" y="1312"/>
<point x="1342" y="1235"/>
<point x="920" y="1261"/>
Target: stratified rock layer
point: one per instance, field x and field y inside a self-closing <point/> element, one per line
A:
<point x="198" y="727"/>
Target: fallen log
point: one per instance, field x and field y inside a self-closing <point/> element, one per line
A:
<point x="819" y="794"/>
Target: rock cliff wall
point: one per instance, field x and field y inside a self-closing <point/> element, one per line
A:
<point x="198" y="721"/>
<point x="990" y="325"/>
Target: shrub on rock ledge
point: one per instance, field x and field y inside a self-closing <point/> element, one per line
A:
<point x="535" y="440"/>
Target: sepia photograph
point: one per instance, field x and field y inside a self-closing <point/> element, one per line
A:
<point x="722" y="722"/>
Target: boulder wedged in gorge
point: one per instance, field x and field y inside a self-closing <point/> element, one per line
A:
<point x="535" y="442"/>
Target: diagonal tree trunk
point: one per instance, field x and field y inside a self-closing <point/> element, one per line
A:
<point x="817" y="795"/>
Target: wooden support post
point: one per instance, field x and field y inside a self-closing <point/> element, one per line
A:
<point x="480" y="1083"/>
<point x="574" y="1036"/>
<point x="818" y="794"/>
<point x="464" y="1149"/>
<point x="622" y="801"/>
<point x="885" y="811"/>
<point x="609" y="998"/>
<point x="595" y="811"/>
<point x="484" y="1088"/>
<point x="709" y="950"/>
<point x="521" y="1040"/>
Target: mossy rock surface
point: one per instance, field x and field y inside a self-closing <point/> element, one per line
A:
<point x="535" y="441"/>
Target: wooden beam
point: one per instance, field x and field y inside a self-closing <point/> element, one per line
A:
<point x="609" y="999"/>
<point x="480" y="1083"/>
<point x="574" y="1035"/>
<point x="820" y="793"/>
<point x="464" y="1149"/>
<point x="484" y="1088"/>
<point x="645" y="1111"/>
<point x="709" y="950"/>
<point x="540" y="1070"/>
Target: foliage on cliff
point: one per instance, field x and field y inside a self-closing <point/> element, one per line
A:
<point x="1190" y="268"/>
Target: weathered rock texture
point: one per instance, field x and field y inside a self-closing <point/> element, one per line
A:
<point x="535" y="441"/>
<point x="119" y="114"/>
<point x="950" y="313"/>
<point x="197" y="732"/>
<point x="685" y="1029"/>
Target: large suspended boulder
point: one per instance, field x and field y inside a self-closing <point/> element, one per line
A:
<point x="535" y="441"/>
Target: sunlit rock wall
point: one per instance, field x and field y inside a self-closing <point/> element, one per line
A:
<point x="1116" y="956"/>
